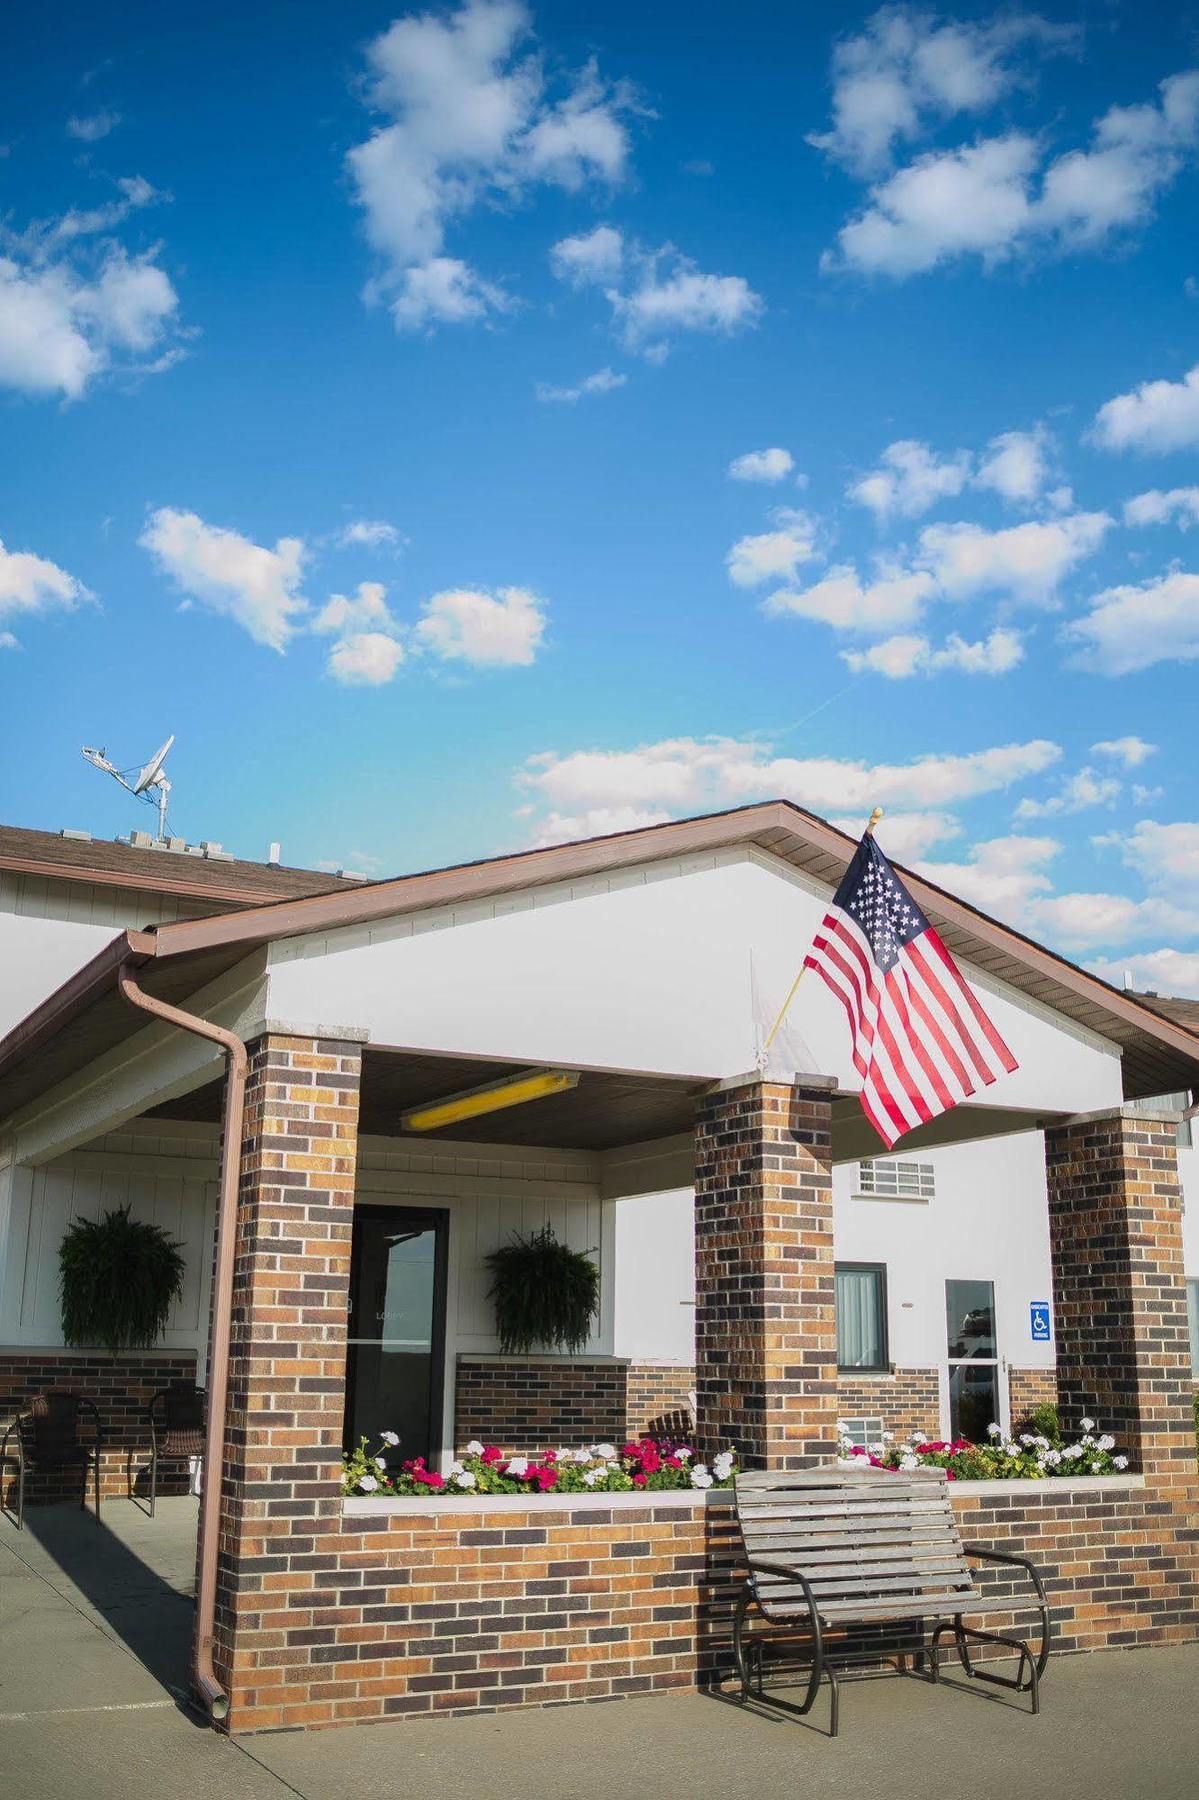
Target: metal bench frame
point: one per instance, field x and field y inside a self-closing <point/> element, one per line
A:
<point x="810" y="1614"/>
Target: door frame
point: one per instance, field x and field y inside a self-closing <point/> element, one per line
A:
<point x="437" y="1217"/>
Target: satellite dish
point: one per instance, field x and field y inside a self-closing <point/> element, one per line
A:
<point x="150" y="777"/>
<point x="149" y="773"/>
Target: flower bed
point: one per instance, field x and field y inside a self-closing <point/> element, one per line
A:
<point x="1029" y="1457"/>
<point x="654" y="1464"/>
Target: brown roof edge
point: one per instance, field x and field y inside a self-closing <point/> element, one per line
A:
<point x="130" y="949"/>
<point x="711" y="831"/>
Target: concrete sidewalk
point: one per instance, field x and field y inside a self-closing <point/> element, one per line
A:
<point x="94" y="1631"/>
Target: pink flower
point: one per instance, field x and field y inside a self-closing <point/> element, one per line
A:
<point x="544" y="1478"/>
<point x="639" y="1481"/>
<point x="428" y="1478"/>
<point x="492" y="1455"/>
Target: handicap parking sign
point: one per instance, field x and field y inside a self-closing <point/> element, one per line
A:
<point x="1038" y="1321"/>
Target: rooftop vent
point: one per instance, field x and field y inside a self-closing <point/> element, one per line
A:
<point x="274" y="853"/>
<point x="77" y="837"/>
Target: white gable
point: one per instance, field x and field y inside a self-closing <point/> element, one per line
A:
<point x="674" y="967"/>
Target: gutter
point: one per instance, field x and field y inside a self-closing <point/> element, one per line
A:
<point x="204" y="1676"/>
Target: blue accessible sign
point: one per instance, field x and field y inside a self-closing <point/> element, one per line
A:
<point x="1038" y="1321"/>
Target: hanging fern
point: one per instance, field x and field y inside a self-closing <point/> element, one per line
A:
<point x="545" y="1294"/>
<point x="118" y="1280"/>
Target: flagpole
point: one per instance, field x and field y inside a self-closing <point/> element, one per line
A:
<point x="871" y="822"/>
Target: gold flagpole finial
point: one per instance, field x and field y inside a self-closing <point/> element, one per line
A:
<point x="873" y="820"/>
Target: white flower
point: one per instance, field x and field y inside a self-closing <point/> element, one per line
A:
<point x="700" y="1477"/>
<point x="842" y="1427"/>
<point x="390" y="1437"/>
<point x="679" y="1452"/>
<point x="1053" y="1456"/>
<point x="456" y="1468"/>
<point x="474" y="1448"/>
<point x="908" y="1463"/>
<point x="1087" y="1424"/>
<point x="380" y="1463"/>
<point x="861" y="1457"/>
<point x="517" y="1465"/>
<point x="1121" y="1462"/>
<point x="994" y="1431"/>
<point x="920" y="1437"/>
<point x="1107" y="1442"/>
<point x="367" y="1483"/>
<point x="594" y="1475"/>
<point x="464" y="1478"/>
<point x="878" y="1448"/>
<point x="564" y="1453"/>
<point x="723" y="1462"/>
<point x="607" y="1451"/>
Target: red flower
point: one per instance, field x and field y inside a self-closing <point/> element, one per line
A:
<point x="674" y="1462"/>
<point x="492" y="1455"/>
<point x="651" y="1462"/>
<point x="639" y="1481"/>
<point x="428" y="1478"/>
<point x="544" y="1478"/>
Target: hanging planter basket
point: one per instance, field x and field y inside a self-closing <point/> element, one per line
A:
<point x="545" y="1294"/>
<point x="118" y="1280"/>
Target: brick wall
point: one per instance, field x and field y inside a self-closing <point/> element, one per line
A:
<point x="906" y="1400"/>
<point x="1029" y="1388"/>
<point x="121" y="1390"/>
<point x="468" y="1609"/>
<point x="659" y="1399"/>
<point x="1115" y="1232"/>
<point x="288" y="1336"/>
<point x="765" y="1332"/>
<point x="538" y="1402"/>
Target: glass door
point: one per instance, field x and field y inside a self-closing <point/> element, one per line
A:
<point x="974" y="1396"/>
<point x="396" y="1356"/>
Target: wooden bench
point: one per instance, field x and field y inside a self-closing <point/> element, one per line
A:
<point x="831" y="1550"/>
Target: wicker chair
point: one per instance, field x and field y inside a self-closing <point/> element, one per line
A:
<point x="47" y="1437"/>
<point x="176" y="1419"/>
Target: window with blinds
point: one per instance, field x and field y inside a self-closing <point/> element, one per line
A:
<point x="893" y="1178"/>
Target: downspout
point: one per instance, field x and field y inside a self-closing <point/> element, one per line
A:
<point x="203" y="1674"/>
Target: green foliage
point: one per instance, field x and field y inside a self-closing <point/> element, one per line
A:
<point x="1043" y="1421"/>
<point x="118" y="1280"/>
<point x="545" y="1294"/>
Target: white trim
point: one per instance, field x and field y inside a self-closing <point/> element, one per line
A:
<point x="357" y="1506"/>
<point x="1053" y="1484"/>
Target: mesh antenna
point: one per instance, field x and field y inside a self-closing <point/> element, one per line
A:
<point x="149" y="783"/>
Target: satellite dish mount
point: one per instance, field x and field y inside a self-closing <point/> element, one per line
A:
<point x="149" y="783"/>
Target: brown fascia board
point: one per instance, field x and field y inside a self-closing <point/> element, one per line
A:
<point x="760" y="823"/>
<point x="131" y="949"/>
<point x="141" y="881"/>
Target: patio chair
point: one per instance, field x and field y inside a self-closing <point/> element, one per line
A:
<point x="876" y="1560"/>
<point x="176" y="1419"/>
<point x="47" y="1436"/>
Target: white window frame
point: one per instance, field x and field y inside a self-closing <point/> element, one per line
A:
<point x="896" y="1178"/>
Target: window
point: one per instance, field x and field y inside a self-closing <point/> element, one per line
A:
<point x="1171" y="1103"/>
<point x="894" y="1179"/>
<point x="1193" y="1322"/>
<point x="973" y="1359"/>
<point x="861" y="1316"/>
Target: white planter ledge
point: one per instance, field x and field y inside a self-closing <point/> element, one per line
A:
<point x="1054" y="1484"/>
<point x="359" y="1506"/>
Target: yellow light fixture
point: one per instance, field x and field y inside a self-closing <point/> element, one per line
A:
<point x="494" y="1096"/>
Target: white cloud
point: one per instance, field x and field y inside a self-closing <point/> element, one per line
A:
<point x="1166" y="856"/>
<point x="469" y="119"/>
<point x="1082" y="790"/>
<point x="1145" y="796"/>
<point x="32" y="584"/>
<point x="912" y="478"/>
<point x="1016" y="465"/>
<point x="688" y="775"/>
<point x="907" y="70"/>
<point x="256" y="587"/>
<point x="900" y="657"/>
<point x="661" y="303"/>
<point x="1133" y="627"/>
<point x="1130" y="752"/>
<point x="443" y="291"/>
<point x="895" y="597"/>
<point x="998" y="197"/>
<point x="1027" y="562"/>
<point x="1084" y="921"/>
<point x="762" y="465"/>
<point x="906" y="835"/>
<point x="773" y="555"/>
<point x="371" y="533"/>
<point x="504" y="629"/>
<point x="604" y="381"/>
<point x="364" y="610"/>
<point x="1180" y="504"/>
<point x="89" y="128"/>
<point x="61" y="328"/>
<point x="592" y="258"/>
<point x="1174" y="972"/>
<point x="1154" y="418"/>
<point x="1001" y="875"/>
<point x="365" y="659"/>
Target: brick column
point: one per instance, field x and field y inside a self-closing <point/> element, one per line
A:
<point x="765" y="1332"/>
<point x="1115" y="1232"/>
<point x="287" y="1357"/>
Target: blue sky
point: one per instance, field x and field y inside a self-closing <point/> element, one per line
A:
<point x="474" y="427"/>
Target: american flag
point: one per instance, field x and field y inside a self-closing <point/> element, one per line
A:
<point x="921" y="1041"/>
